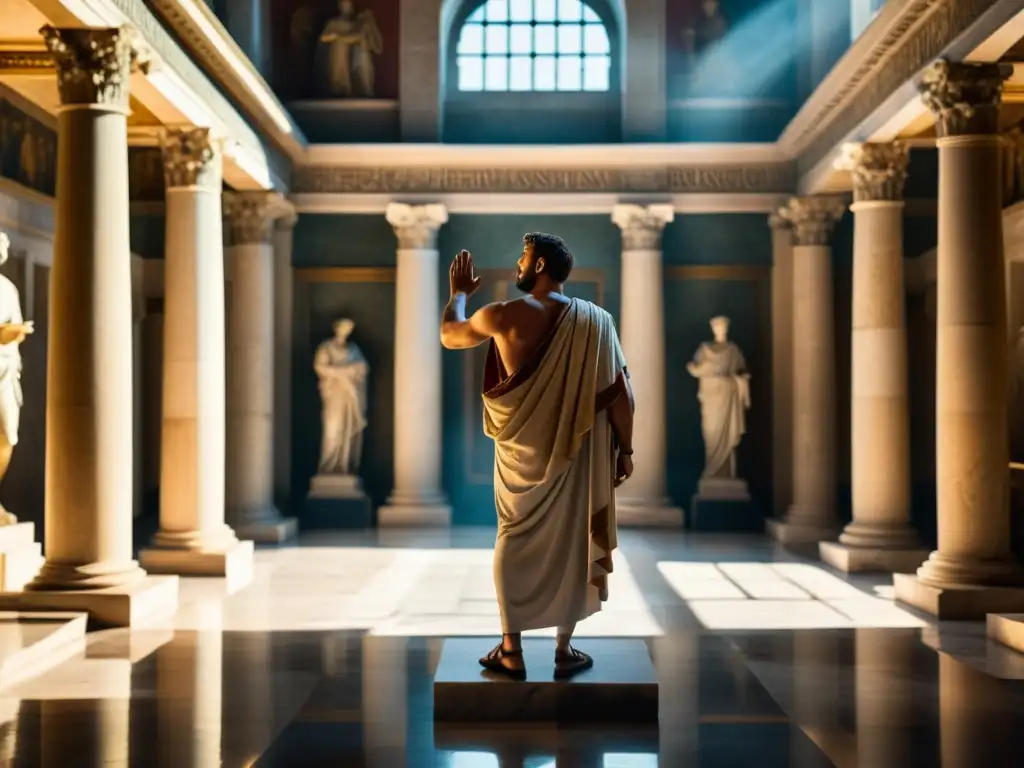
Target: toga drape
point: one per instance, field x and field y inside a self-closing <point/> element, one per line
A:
<point x="554" y="471"/>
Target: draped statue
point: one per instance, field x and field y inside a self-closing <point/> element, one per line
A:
<point x="724" y="395"/>
<point x="343" y="372"/>
<point x="350" y="41"/>
<point x="13" y="330"/>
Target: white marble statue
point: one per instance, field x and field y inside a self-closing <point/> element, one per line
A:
<point x="724" y="396"/>
<point x="343" y="371"/>
<point x="13" y="330"/>
<point x="351" y="41"/>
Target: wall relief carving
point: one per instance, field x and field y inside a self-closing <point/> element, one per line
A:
<point x="28" y="150"/>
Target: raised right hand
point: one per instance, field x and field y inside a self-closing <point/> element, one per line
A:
<point x="461" y="278"/>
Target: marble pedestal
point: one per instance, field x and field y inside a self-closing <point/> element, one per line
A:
<point x="337" y="501"/>
<point x="861" y="559"/>
<point x="724" y="504"/>
<point x="621" y="687"/>
<point x="634" y="513"/>
<point x="234" y="564"/>
<point x="790" y="533"/>
<point x="147" y="600"/>
<point x="21" y="556"/>
<point x="968" y="603"/>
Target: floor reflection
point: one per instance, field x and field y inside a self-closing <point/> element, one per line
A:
<point x="214" y="695"/>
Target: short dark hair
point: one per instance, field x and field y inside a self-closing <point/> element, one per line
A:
<point x="554" y="251"/>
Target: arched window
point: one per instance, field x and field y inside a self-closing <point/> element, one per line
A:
<point x="533" y="45"/>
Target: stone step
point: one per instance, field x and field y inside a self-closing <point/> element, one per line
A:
<point x="34" y="643"/>
<point x="18" y="567"/>
<point x="621" y="687"/>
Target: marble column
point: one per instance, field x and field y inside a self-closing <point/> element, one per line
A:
<point x="973" y="572"/>
<point x="643" y="499"/>
<point x="782" y="363"/>
<point x="193" y="538"/>
<point x="417" y="498"/>
<point x="880" y="537"/>
<point x="283" y="328"/>
<point x="89" y="565"/>
<point x="250" y="404"/>
<point x="811" y="516"/>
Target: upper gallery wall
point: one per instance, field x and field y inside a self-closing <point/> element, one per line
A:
<point x="552" y="71"/>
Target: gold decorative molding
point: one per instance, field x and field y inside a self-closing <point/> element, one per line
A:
<point x="26" y="63"/>
<point x="777" y="177"/>
<point x="740" y="273"/>
<point x="345" y="274"/>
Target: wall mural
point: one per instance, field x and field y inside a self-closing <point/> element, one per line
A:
<point x="28" y="150"/>
<point x="336" y="50"/>
<point x="740" y="49"/>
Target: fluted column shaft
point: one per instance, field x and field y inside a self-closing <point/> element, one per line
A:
<point x="643" y="499"/>
<point x="972" y="441"/>
<point x="89" y="369"/>
<point x="417" y="498"/>
<point x="880" y="536"/>
<point x="250" y="404"/>
<point x="812" y="515"/>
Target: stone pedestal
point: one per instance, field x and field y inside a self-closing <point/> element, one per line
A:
<point x="337" y="501"/>
<point x="643" y="499"/>
<point x="193" y="538"/>
<point x="880" y="536"/>
<point x="811" y="516"/>
<point x="21" y="556"/>
<point x="620" y="688"/>
<point x="973" y="572"/>
<point x="417" y="498"/>
<point x="250" y="406"/>
<point x="89" y="400"/>
<point x="724" y="504"/>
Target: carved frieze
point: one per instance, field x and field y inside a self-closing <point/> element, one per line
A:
<point x="813" y="218"/>
<point x="642" y="225"/>
<point x="416" y="226"/>
<point x="964" y="96"/>
<point x="26" y="62"/>
<point x="249" y="216"/>
<point x="879" y="170"/>
<point x="94" y="65"/>
<point x="191" y="157"/>
<point x="766" y="178"/>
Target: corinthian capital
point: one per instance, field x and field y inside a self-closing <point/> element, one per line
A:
<point x="192" y="157"/>
<point x="249" y="216"/>
<point x="416" y="226"/>
<point x="813" y="218"/>
<point x="642" y="225"/>
<point x="964" y="97"/>
<point x="879" y="170"/>
<point x="94" y="65"/>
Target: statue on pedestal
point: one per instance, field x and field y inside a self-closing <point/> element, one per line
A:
<point x="343" y="371"/>
<point x="13" y="330"/>
<point x="724" y="396"/>
<point x="351" y="41"/>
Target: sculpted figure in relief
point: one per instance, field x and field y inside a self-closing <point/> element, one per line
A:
<point x="342" y="371"/>
<point x="13" y="330"/>
<point x="724" y="396"/>
<point x="351" y="40"/>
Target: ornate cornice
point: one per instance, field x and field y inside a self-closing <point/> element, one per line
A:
<point x="642" y="225"/>
<point x="26" y="62"/>
<point x="814" y="218"/>
<point x="94" y="65"/>
<point x="249" y="216"/>
<point x="762" y="178"/>
<point x="964" y="97"/>
<point x="879" y="171"/>
<point x="919" y="32"/>
<point x="416" y="226"/>
<point x="191" y="157"/>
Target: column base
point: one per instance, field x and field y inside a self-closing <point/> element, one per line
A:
<point x="1006" y="629"/>
<point x="959" y="603"/>
<point x="393" y="515"/>
<point x="146" y="600"/>
<point x="787" y="532"/>
<point x="273" y="531"/>
<point x="233" y="563"/>
<point x="21" y="556"/>
<point x="851" y="559"/>
<point x="644" y="513"/>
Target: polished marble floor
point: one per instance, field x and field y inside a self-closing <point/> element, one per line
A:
<point x="763" y="658"/>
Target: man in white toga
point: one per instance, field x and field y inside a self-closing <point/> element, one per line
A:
<point x="558" y="405"/>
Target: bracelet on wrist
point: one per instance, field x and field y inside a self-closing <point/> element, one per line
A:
<point x="625" y="453"/>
